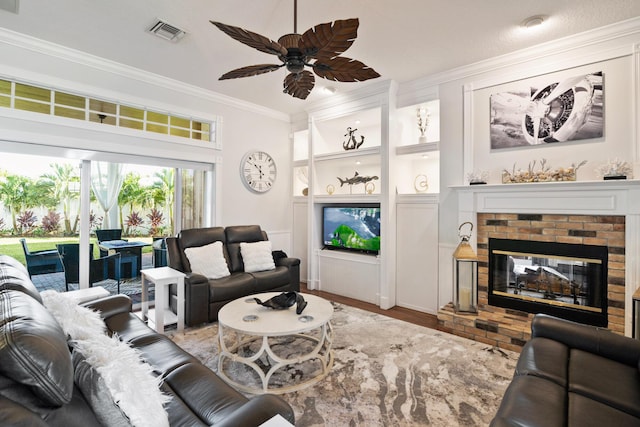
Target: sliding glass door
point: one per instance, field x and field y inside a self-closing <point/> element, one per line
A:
<point x="51" y="202"/>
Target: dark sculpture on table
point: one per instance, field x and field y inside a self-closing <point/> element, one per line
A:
<point x="284" y="301"/>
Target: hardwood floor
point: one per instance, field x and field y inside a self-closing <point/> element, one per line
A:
<point x="400" y="313"/>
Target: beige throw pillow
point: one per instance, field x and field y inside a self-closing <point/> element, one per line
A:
<point x="208" y="260"/>
<point x="257" y="256"/>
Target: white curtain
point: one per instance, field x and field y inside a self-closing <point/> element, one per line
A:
<point x="192" y="206"/>
<point x="106" y="182"/>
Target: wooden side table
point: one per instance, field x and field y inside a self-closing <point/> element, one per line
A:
<point x="162" y="315"/>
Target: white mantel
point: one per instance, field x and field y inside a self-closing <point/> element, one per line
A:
<point x="621" y="198"/>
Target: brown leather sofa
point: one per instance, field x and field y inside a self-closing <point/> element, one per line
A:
<point x="37" y="385"/>
<point x="571" y="374"/>
<point x="205" y="297"/>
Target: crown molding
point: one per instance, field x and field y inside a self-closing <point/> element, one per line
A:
<point x="611" y="41"/>
<point x="371" y="95"/>
<point x="82" y="58"/>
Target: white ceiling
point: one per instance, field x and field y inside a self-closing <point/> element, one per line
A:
<point x="401" y="39"/>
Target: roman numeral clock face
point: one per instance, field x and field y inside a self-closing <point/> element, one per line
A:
<point x="258" y="171"/>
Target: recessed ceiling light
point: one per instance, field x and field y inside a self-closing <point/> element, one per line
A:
<point x="533" y="21"/>
<point x="330" y="90"/>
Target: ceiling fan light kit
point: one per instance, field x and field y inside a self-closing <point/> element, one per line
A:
<point x="318" y="48"/>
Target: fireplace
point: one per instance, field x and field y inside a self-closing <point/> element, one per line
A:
<point x="562" y="279"/>
<point x="591" y="213"/>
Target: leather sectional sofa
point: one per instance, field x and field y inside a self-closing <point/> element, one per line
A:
<point x="571" y="374"/>
<point x="32" y="372"/>
<point x="205" y="297"/>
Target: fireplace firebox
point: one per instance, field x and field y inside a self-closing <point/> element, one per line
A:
<point x="562" y="279"/>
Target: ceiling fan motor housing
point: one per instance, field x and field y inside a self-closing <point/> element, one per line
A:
<point x="294" y="60"/>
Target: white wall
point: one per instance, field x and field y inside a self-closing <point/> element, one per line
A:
<point x="244" y="126"/>
<point x="464" y="115"/>
<point x="242" y="132"/>
<point x="616" y="141"/>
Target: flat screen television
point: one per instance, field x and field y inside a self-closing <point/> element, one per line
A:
<point x="352" y="227"/>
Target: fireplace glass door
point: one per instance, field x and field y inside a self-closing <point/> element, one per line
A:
<point x="565" y="280"/>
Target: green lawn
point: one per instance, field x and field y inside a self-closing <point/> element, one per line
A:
<point x="12" y="246"/>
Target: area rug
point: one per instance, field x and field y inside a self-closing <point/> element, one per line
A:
<point x="390" y="373"/>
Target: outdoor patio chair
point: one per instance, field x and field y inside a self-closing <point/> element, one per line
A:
<point x="100" y="269"/>
<point x="41" y="262"/>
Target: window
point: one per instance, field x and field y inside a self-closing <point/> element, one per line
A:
<point x="43" y="100"/>
<point x="67" y="105"/>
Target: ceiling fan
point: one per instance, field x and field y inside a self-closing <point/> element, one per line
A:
<point x="318" y="48"/>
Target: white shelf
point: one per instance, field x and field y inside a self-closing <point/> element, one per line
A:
<point x="349" y="255"/>
<point x="418" y="148"/>
<point x="408" y="167"/>
<point x="300" y="163"/>
<point x="422" y="198"/>
<point x="347" y="198"/>
<point x="350" y="154"/>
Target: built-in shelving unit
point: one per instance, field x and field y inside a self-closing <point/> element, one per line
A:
<point x="417" y="160"/>
<point x="402" y="175"/>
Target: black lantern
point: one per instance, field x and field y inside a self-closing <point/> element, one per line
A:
<point x="465" y="274"/>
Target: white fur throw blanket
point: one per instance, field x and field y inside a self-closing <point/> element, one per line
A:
<point x="130" y="381"/>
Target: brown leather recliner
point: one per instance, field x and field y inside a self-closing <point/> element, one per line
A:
<point x="205" y="297"/>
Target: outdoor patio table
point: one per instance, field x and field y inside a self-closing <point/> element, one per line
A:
<point x="131" y="253"/>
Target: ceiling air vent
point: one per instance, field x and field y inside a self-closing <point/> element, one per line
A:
<point x="166" y="31"/>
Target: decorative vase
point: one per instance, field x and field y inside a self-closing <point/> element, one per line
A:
<point x="423" y="122"/>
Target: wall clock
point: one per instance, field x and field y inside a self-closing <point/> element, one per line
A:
<point x="258" y="171"/>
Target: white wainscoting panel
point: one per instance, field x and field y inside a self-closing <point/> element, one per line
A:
<point x="417" y="257"/>
<point x="350" y="274"/>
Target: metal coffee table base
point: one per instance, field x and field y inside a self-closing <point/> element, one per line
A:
<point x="321" y="352"/>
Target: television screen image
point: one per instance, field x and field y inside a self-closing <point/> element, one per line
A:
<point x="355" y="228"/>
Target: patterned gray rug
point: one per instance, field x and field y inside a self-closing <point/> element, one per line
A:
<point x="390" y="373"/>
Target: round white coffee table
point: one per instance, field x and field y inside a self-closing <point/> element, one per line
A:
<point x="274" y="344"/>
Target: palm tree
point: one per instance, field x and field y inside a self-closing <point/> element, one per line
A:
<point x="16" y="193"/>
<point x="133" y="194"/>
<point x="61" y="183"/>
<point x="163" y="190"/>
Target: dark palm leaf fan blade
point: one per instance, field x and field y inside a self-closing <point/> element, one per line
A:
<point x="252" y="39"/>
<point x="344" y="70"/>
<point x="251" y="70"/>
<point x="327" y="41"/>
<point x="299" y="85"/>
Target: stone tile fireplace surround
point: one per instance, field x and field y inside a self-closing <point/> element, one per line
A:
<point x="591" y="212"/>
